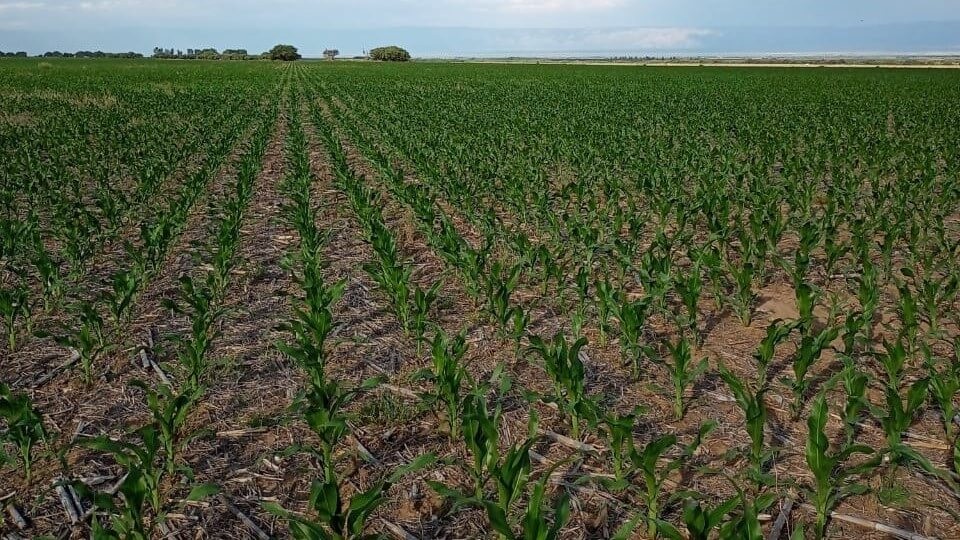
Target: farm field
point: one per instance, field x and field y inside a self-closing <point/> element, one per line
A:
<point x="329" y="300"/>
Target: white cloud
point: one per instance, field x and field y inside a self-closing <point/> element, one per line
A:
<point x="610" y="39"/>
<point x="545" y="6"/>
<point x="18" y="6"/>
<point x="649" y="38"/>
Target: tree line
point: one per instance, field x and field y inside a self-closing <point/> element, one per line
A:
<point x="78" y="54"/>
<point x="280" y="52"/>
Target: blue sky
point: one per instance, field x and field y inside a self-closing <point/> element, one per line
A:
<point x="465" y="27"/>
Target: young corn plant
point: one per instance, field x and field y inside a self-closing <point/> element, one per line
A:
<point x="689" y="288"/>
<point x="24" y="427"/>
<point x="14" y="305"/>
<point x="744" y="296"/>
<point x="140" y="491"/>
<point x="87" y="339"/>
<point x="909" y="315"/>
<point x="684" y="371"/>
<point x="898" y="416"/>
<point x="777" y="333"/>
<point x="198" y="303"/>
<point x="481" y="435"/>
<point x="423" y="300"/>
<point x="755" y="412"/>
<point x="810" y="350"/>
<point x="646" y="465"/>
<point x="170" y="410"/>
<point x="313" y="321"/>
<point x="854" y="384"/>
<point x="607" y="303"/>
<point x="832" y="480"/>
<point x="811" y="347"/>
<point x="561" y="360"/>
<point x="633" y="321"/>
<point x="542" y="520"/>
<point x="868" y="294"/>
<point x="335" y="518"/>
<point x="500" y="286"/>
<point x="394" y="279"/>
<point x="746" y="525"/>
<point x="520" y="322"/>
<point x="944" y="388"/>
<point x="450" y="377"/>
<point x="50" y="276"/>
<point x="125" y="285"/>
<point x="699" y="520"/>
<point x="618" y="432"/>
<point x="579" y="316"/>
<point x="324" y="407"/>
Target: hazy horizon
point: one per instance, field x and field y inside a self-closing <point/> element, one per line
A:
<point x="452" y="28"/>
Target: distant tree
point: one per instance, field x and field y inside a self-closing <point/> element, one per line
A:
<point x="234" y="54"/>
<point x="286" y="53"/>
<point x="389" y="54"/>
<point x="21" y="54"/>
<point x="330" y="54"/>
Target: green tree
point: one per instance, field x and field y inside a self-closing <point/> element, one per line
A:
<point x="286" y="53"/>
<point x="390" y="54"/>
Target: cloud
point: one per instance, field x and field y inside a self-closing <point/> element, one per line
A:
<point x="20" y="6"/>
<point x="544" y="6"/>
<point x="611" y="39"/>
<point x="649" y="38"/>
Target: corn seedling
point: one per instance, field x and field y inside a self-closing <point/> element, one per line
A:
<point x="542" y="520"/>
<point x="832" y="479"/>
<point x="199" y="305"/>
<point x="699" y="520"/>
<point x="810" y="349"/>
<point x="140" y="490"/>
<point x="746" y="525"/>
<point x="449" y="376"/>
<point x="87" y="339"/>
<point x="633" y="321"/>
<point x="855" y="387"/>
<point x="561" y="360"/>
<point x="24" y="427"/>
<point x="646" y="464"/>
<point x="323" y="406"/>
<point x="125" y="285"/>
<point x="312" y="322"/>
<point x="755" y="412"/>
<point x="336" y="518"/>
<point x="944" y="388"/>
<point x="684" y="371"/>
<point x="422" y="302"/>
<point x="618" y="432"/>
<point x="689" y="288"/>
<point x="169" y="410"/>
<point x="14" y="305"/>
<point x="777" y="333"/>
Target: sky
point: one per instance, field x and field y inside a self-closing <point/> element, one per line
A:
<point x="489" y="27"/>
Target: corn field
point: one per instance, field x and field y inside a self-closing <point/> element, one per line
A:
<point x="352" y="300"/>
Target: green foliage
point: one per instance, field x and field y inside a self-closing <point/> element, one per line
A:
<point x="832" y="479"/>
<point x="562" y="362"/>
<point x="24" y="427"/>
<point x="390" y="53"/>
<point x="683" y="371"/>
<point x="754" y="409"/>
<point x="285" y="53"/>
<point x="450" y="378"/>
<point x="336" y="518"/>
<point x="633" y="321"/>
<point x="14" y="305"/>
